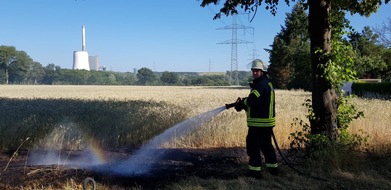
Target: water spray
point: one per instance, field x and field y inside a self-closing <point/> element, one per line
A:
<point x="141" y="162"/>
<point x="148" y="154"/>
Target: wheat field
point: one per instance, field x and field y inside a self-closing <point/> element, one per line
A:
<point x="227" y="128"/>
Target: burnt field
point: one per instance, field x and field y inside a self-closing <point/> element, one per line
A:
<point x="173" y="166"/>
<point x="194" y="168"/>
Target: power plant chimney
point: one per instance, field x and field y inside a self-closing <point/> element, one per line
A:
<point x="83" y="38"/>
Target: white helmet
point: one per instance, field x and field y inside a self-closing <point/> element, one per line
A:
<point x="258" y="64"/>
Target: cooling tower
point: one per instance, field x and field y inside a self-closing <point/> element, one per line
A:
<point x="80" y="58"/>
<point x="94" y="63"/>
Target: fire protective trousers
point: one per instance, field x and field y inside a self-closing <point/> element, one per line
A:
<point x="260" y="139"/>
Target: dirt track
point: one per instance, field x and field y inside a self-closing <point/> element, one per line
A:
<point x="222" y="163"/>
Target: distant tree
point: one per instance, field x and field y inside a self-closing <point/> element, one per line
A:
<point x="95" y="78"/>
<point x="109" y="78"/>
<point x="102" y="78"/>
<point x="145" y="76"/>
<point x="19" y="67"/>
<point x="35" y="73"/>
<point x="51" y="66"/>
<point x="169" y="78"/>
<point x="126" y="78"/>
<point x="51" y="74"/>
<point x="2" y="77"/>
<point x="185" y="80"/>
<point x="201" y="81"/>
<point x="369" y="61"/>
<point x="57" y="68"/>
<point x="384" y="32"/>
<point x="386" y="73"/>
<point x="7" y="57"/>
<point x="243" y="77"/>
<point x="366" y="42"/>
<point x="74" y="77"/>
<point x="219" y="80"/>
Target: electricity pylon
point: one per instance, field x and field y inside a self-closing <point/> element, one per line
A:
<point x="234" y="41"/>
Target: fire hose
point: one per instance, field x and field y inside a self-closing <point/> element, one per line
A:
<point x="228" y="106"/>
<point x="88" y="182"/>
<point x="290" y="165"/>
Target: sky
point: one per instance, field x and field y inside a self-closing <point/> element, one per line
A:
<point x="162" y="35"/>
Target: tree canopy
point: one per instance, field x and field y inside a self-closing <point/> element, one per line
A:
<point x="384" y="32"/>
<point x="145" y="76"/>
<point x="289" y="54"/>
<point x="371" y="58"/>
<point x="16" y="65"/>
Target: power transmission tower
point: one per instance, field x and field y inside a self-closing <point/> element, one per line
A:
<point x="234" y="76"/>
<point x="254" y="53"/>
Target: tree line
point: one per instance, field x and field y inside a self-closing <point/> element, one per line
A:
<point x="19" y="68"/>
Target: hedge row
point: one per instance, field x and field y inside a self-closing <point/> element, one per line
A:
<point x="379" y="90"/>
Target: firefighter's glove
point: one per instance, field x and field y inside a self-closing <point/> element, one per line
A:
<point x="239" y="106"/>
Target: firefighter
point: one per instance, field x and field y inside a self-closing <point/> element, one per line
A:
<point x="260" y="111"/>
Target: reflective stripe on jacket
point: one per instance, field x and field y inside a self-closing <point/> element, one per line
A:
<point x="260" y="103"/>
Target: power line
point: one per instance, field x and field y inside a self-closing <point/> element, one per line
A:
<point x="214" y="13"/>
<point x="234" y="41"/>
<point x="252" y="50"/>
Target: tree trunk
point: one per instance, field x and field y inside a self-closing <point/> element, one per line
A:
<point x="324" y="97"/>
<point x="6" y="75"/>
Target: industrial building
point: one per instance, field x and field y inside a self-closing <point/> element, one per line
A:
<point x="81" y="60"/>
<point x="94" y="63"/>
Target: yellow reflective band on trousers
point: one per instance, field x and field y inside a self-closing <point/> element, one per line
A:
<point x="253" y="168"/>
<point x="271" y="165"/>
<point x="261" y="122"/>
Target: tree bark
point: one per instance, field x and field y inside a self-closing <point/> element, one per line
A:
<point x="6" y="76"/>
<point x="324" y="97"/>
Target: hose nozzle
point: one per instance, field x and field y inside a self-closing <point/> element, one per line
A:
<point x="227" y="106"/>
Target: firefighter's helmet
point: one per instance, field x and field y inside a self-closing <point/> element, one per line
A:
<point x="258" y="64"/>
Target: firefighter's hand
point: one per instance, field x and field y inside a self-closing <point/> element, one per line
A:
<point x="239" y="106"/>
